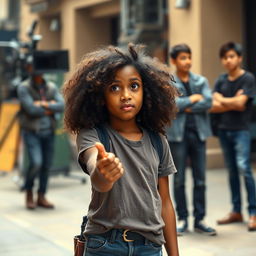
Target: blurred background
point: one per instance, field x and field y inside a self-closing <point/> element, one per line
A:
<point x="79" y="26"/>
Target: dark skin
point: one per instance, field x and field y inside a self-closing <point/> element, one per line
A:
<point x="123" y="99"/>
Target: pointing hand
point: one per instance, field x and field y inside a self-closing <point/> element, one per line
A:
<point x="108" y="165"/>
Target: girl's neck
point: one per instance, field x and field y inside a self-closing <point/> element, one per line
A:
<point x="129" y="130"/>
<point x="234" y="74"/>
<point x="183" y="76"/>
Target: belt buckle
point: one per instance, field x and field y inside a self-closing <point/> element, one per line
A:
<point x="124" y="235"/>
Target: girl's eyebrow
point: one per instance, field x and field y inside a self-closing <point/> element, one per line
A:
<point x="135" y="79"/>
<point x="131" y="79"/>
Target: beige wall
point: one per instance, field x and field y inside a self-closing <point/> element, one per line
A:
<point x="3" y="9"/>
<point x="91" y="33"/>
<point x="52" y="38"/>
<point x="221" y="22"/>
<point x="185" y="27"/>
<point x="74" y="36"/>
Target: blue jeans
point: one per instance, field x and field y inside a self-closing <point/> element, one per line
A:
<point x="114" y="245"/>
<point x="194" y="150"/>
<point x="236" y="149"/>
<point x="39" y="147"/>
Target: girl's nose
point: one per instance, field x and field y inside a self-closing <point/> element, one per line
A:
<point x="125" y="95"/>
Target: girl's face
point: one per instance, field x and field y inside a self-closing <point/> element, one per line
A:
<point x="124" y="97"/>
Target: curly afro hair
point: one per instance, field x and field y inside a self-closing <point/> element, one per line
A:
<point x="84" y="91"/>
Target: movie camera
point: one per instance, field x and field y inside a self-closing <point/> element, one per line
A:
<point x="15" y="56"/>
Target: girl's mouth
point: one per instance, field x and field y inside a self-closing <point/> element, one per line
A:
<point x="127" y="107"/>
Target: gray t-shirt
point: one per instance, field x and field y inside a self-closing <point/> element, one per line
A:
<point x="134" y="202"/>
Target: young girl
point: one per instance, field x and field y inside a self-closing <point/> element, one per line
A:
<point x="129" y="94"/>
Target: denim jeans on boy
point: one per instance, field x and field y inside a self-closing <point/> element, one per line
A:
<point x="39" y="146"/>
<point x="236" y="149"/>
<point x="191" y="148"/>
<point x="114" y="245"/>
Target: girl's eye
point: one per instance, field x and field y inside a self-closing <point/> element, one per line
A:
<point x="134" y="86"/>
<point x="114" y="88"/>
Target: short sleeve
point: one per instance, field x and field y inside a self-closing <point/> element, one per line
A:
<point x="249" y="85"/>
<point x="85" y="139"/>
<point x="167" y="165"/>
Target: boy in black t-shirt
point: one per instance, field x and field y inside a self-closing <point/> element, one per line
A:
<point x="232" y="99"/>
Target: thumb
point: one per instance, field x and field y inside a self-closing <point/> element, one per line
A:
<point x="101" y="150"/>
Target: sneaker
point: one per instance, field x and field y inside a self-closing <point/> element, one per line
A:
<point x="182" y="227"/>
<point x="202" y="228"/>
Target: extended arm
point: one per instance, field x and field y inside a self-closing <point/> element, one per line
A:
<point x="168" y="216"/>
<point x="104" y="168"/>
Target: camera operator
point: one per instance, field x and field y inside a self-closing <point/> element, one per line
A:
<point x="40" y="102"/>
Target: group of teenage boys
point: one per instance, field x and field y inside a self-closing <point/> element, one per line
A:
<point x="232" y="101"/>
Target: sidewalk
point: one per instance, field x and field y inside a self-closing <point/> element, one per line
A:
<point x="50" y="232"/>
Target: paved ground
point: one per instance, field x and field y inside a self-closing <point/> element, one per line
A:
<point x="50" y="232"/>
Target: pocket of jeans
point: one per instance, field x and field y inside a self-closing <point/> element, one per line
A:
<point x="95" y="243"/>
<point x="156" y="246"/>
